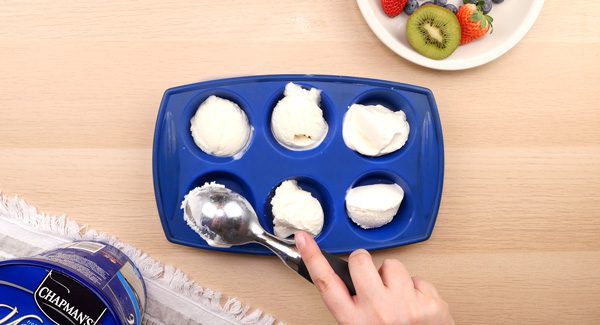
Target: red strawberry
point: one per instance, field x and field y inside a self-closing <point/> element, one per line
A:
<point x="473" y="23"/>
<point x="393" y="8"/>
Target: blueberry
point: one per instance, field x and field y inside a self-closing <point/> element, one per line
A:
<point x="471" y="1"/>
<point x="487" y="6"/>
<point x="428" y="3"/>
<point x="411" y="6"/>
<point x="440" y="2"/>
<point x="451" y="7"/>
<point x="497" y="1"/>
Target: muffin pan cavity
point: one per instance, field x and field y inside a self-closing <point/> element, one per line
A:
<point x="318" y="191"/>
<point x="190" y="109"/>
<point x="327" y="171"/>
<point x="231" y="181"/>
<point x="403" y="217"/>
<point x="326" y="105"/>
<point x="394" y="101"/>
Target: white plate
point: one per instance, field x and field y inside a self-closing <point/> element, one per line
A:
<point x="512" y="20"/>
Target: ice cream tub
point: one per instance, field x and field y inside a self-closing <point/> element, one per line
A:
<point x="80" y="283"/>
<point x="327" y="167"/>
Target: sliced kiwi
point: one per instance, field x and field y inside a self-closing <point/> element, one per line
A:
<point x="433" y="31"/>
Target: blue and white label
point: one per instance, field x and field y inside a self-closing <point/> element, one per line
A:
<point x="84" y="283"/>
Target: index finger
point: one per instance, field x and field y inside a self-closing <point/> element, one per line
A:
<point x="332" y="288"/>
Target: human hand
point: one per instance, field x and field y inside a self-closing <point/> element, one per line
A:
<point x="387" y="296"/>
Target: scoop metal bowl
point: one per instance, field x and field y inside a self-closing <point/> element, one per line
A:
<point x="224" y="218"/>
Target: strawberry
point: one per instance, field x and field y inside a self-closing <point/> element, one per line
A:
<point x="473" y="23"/>
<point x="393" y="8"/>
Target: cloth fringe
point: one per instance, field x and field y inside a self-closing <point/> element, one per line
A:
<point x="17" y="210"/>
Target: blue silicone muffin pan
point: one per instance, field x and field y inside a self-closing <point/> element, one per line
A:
<point x="327" y="171"/>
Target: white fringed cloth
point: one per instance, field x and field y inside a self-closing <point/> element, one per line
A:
<point x="172" y="298"/>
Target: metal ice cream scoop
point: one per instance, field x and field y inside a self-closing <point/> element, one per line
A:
<point x="224" y="218"/>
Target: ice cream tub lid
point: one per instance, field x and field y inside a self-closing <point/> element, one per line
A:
<point x="79" y="283"/>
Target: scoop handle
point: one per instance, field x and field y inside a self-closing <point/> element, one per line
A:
<point x="286" y="250"/>
<point x="340" y="267"/>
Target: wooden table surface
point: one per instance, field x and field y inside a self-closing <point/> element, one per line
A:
<point x="518" y="233"/>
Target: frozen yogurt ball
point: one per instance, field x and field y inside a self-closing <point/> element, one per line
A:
<point x="374" y="130"/>
<point x="220" y="127"/>
<point x="297" y="121"/>
<point x="373" y="206"/>
<point x="295" y="209"/>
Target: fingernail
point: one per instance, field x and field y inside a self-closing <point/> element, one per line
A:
<point x="359" y="251"/>
<point x="300" y="240"/>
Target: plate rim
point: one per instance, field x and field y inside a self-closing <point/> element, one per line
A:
<point x="391" y="42"/>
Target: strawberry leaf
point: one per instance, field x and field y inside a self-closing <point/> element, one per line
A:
<point x="489" y="19"/>
<point x="476" y="17"/>
<point x="480" y="5"/>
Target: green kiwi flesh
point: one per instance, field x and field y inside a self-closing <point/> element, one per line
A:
<point x="433" y="31"/>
